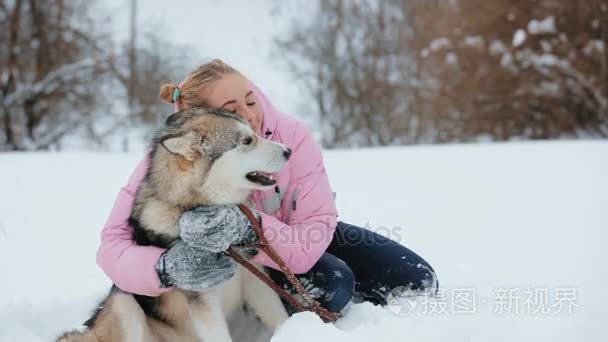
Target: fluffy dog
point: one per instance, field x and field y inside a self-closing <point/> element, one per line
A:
<point x="200" y="157"/>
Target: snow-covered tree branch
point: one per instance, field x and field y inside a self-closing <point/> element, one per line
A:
<point x="398" y="71"/>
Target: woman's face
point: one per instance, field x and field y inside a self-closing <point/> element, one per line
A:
<point x="233" y="93"/>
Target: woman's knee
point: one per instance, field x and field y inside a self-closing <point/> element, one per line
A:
<point x="419" y="275"/>
<point x="430" y="282"/>
<point x="335" y="281"/>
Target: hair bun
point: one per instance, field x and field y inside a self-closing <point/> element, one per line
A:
<point x="166" y="92"/>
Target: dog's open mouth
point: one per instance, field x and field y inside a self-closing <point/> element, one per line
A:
<point x="262" y="178"/>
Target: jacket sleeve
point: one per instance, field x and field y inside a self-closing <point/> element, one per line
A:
<point x="130" y="267"/>
<point x="302" y="241"/>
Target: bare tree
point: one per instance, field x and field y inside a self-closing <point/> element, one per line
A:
<point x="351" y="56"/>
<point x="63" y="76"/>
<point x="48" y="72"/>
<point x="532" y="70"/>
<point x="396" y="71"/>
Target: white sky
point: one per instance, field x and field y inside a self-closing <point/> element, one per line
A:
<point x="240" y="32"/>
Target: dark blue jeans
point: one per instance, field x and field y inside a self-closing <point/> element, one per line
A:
<point x="362" y="262"/>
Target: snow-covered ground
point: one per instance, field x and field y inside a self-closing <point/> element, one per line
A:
<point x="506" y="227"/>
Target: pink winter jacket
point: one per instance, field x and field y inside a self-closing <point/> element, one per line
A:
<point x="298" y="218"/>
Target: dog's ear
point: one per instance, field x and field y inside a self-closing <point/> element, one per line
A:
<point x="184" y="145"/>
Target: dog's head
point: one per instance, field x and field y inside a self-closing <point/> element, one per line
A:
<point x="205" y="156"/>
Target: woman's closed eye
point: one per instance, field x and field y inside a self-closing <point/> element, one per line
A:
<point x="230" y="109"/>
<point x="234" y="110"/>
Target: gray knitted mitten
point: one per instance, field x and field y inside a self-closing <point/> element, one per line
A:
<point x="215" y="228"/>
<point x="193" y="269"/>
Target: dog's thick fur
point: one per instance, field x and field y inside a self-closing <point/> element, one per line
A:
<point x="200" y="157"/>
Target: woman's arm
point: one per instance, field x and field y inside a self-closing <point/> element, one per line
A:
<point x="311" y="226"/>
<point x="130" y="267"/>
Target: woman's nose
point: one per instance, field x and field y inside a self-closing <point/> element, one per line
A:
<point x="247" y="115"/>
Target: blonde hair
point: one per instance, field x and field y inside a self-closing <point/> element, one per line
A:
<point x="197" y="80"/>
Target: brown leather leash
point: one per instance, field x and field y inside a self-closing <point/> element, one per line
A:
<point x="310" y="304"/>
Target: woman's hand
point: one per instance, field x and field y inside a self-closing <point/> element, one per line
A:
<point x="216" y="228"/>
<point x="193" y="269"/>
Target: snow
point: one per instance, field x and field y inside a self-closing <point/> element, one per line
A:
<point x="506" y="59"/>
<point x="439" y="43"/>
<point x="451" y="58"/>
<point x="436" y="45"/>
<point x="500" y="219"/>
<point x="54" y="79"/>
<point x="545" y="59"/>
<point x="545" y="88"/>
<point x="4" y="76"/>
<point x="475" y="41"/>
<point x="497" y="47"/>
<point x="519" y="37"/>
<point x="594" y="45"/>
<point x="544" y="26"/>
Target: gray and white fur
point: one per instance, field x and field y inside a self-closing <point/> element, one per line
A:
<point x="201" y="157"/>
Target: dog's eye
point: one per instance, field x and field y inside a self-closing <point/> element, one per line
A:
<point x="247" y="141"/>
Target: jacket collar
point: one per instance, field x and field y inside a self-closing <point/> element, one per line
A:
<point x="270" y="121"/>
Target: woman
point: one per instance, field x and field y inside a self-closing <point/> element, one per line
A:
<point x="334" y="260"/>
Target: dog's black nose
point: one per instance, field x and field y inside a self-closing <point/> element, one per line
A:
<point x="287" y="153"/>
